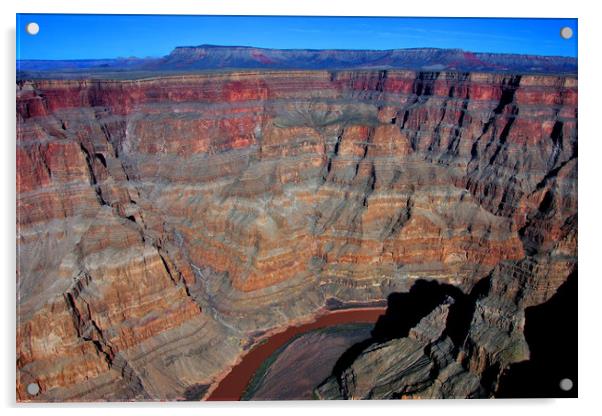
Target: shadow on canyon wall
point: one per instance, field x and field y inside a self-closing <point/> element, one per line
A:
<point x="551" y="332"/>
<point x="405" y="310"/>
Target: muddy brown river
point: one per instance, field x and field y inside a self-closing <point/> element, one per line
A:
<point x="234" y="384"/>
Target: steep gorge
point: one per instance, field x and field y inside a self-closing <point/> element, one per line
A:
<point x="166" y="223"/>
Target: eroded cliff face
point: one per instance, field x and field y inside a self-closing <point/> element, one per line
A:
<point x="163" y="223"/>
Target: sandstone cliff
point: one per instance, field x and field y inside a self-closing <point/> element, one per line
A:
<point x="164" y="222"/>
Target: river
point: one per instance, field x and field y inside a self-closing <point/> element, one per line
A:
<point x="234" y="384"/>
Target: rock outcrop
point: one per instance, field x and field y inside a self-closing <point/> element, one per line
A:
<point x="163" y="223"/>
<point x="443" y="357"/>
<point x="420" y="365"/>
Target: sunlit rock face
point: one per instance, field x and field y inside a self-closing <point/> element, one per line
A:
<point x="164" y="222"/>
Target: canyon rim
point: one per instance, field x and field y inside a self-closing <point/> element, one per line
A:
<point x="176" y="215"/>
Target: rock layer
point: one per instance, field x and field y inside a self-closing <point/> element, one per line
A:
<point x="162" y="223"/>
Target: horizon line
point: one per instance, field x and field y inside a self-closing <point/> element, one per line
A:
<point x="299" y="49"/>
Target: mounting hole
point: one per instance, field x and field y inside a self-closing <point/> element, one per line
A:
<point x="566" y="32"/>
<point x="566" y="384"/>
<point x="33" y="389"/>
<point x="32" y="28"/>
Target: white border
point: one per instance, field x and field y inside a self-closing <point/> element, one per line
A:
<point x="590" y="202"/>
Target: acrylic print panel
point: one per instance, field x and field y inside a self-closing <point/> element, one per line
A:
<point x="279" y="208"/>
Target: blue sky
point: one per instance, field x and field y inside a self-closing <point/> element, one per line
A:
<point x="110" y="36"/>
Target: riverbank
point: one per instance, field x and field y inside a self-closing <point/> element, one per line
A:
<point x="233" y="385"/>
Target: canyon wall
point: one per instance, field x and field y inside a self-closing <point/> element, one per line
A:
<point x="164" y="223"/>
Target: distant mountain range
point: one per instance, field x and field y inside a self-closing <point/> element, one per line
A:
<point x="211" y="57"/>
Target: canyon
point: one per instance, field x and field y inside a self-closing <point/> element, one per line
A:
<point x="166" y="225"/>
